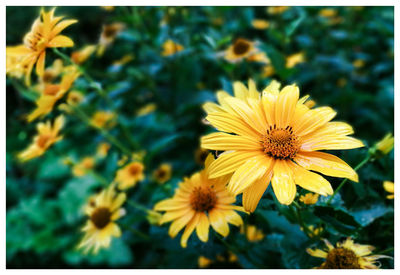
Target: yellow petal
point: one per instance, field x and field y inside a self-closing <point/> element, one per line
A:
<point x="331" y="142"/>
<point x="253" y="93"/>
<point x="253" y="194"/>
<point x="312" y="119"/>
<point x="189" y="229"/>
<point x="60" y="41"/>
<point x="225" y="142"/>
<point x="232" y="217"/>
<point x="388" y="186"/>
<point x="210" y="107"/>
<point x="178" y="224"/>
<point x="118" y="201"/>
<point x="218" y="222"/>
<point x="317" y="253"/>
<point x="169" y="204"/>
<point x="239" y="90"/>
<point x="286" y="105"/>
<point x="283" y="182"/>
<point x="227" y="123"/>
<point x="203" y="227"/>
<point x="61" y="26"/>
<point x="174" y="214"/>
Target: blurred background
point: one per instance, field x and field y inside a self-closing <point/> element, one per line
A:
<point x="342" y="57"/>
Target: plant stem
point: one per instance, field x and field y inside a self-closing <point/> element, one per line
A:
<point x="137" y="205"/>
<point x="300" y="220"/>
<point x="364" y="161"/>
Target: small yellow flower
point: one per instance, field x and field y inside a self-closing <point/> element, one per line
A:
<point x="259" y="57"/>
<point x="309" y="198"/>
<point x="358" y="63"/>
<point x="108" y="35"/>
<point x="46" y="137"/>
<point x="389" y="187"/>
<point x="313" y="231"/>
<point x="204" y="262"/>
<point x="277" y="9"/>
<point x="241" y="48"/>
<point x="83" y="54"/>
<point x="147" y="109"/>
<point x="268" y="71"/>
<point x="346" y="255"/>
<point x="14" y="66"/>
<point x="253" y="234"/>
<point x="260" y="24"/>
<point x="45" y="33"/>
<point x="328" y="13"/>
<point x="385" y="145"/>
<point x="170" y="48"/>
<point x="108" y="8"/>
<point x="294" y="59"/>
<point x="85" y="165"/>
<point x="217" y="21"/>
<point x="129" y="175"/>
<point x="52" y="72"/>
<point x="103" y="119"/>
<point x="163" y="173"/>
<point x="102" y="149"/>
<point x="122" y="160"/>
<point x="139" y="155"/>
<point x="75" y="97"/>
<point x="153" y="217"/>
<point x="103" y="210"/>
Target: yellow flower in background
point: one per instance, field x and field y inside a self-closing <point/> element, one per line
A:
<point x="124" y="60"/>
<point x="108" y="35"/>
<point x="103" y="119"/>
<point x="346" y="255"/>
<point x="260" y="24"/>
<point x="83" y="167"/>
<point x="83" y="54"/>
<point x="328" y="13"/>
<point x="103" y="210"/>
<point x="52" y="72"/>
<point x="14" y="66"/>
<point x="47" y="135"/>
<point x="358" y="63"/>
<point x="200" y="155"/>
<point x="108" y="8"/>
<point x="294" y="59"/>
<point x="274" y="137"/>
<point x="51" y="93"/>
<point x="198" y="203"/>
<point x="309" y="198"/>
<point x="385" y="146"/>
<point x="147" y="109"/>
<point x="310" y="103"/>
<point x="170" y="48"/>
<point x="313" y="231"/>
<point x="268" y="71"/>
<point x="253" y="234"/>
<point x="75" y="97"/>
<point x="204" y="262"/>
<point x="102" y="149"/>
<point x="129" y="175"/>
<point x="277" y="9"/>
<point x="259" y="57"/>
<point x="45" y="33"/>
<point x="163" y="173"/>
<point x="389" y="187"/>
<point x="241" y="48"/>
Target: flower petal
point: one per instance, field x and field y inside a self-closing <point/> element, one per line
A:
<point x="189" y="229"/>
<point x="225" y="142"/>
<point x="227" y="123"/>
<point x="203" y="227"/>
<point x="286" y="105"/>
<point x="178" y="224"/>
<point x="218" y="222"/>
<point x="60" y="41"/>
<point x="253" y="194"/>
<point x="283" y="182"/>
<point x="312" y="119"/>
<point x="61" y="26"/>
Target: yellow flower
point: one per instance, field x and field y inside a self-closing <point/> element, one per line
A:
<point x="163" y="173"/>
<point x="259" y="57"/>
<point x="83" y="54"/>
<point x="200" y="155"/>
<point x="346" y="255"/>
<point x="52" y="72"/>
<point x="277" y="9"/>
<point x="102" y="149"/>
<point x="358" y="63"/>
<point x="14" y="66"/>
<point x="268" y="71"/>
<point x="309" y="198"/>
<point x="310" y="103"/>
<point x="108" y="8"/>
<point x="81" y="168"/>
<point x="260" y="24"/>
<point x="253" y="234"/>
<point x="129" y="175"/>
<point x="103" y="210"/>
<point x="386" y="144"/>
<point x="275" y="137"/>
<point x="241" y="48"/>
<point x="313" y="231"/>
<point x="328" y="13"/>
<point x="204" y="262"/>
<point x="108" y="35"/>
<point x="147" y="109"/>
<point x="389" y="187"/>
<point x="139" y="155"/>
<point x="103" y="119"/>
<point x="45" y="33"/>
<point x="74" y="98"/>
<point x="170" y="48"/>
<point x="51" y="93"/>
<point x="124" y="60"/>
<point x="294" y="59"/>
<point x="46" y="137"/>
<point x="198" y="203"/>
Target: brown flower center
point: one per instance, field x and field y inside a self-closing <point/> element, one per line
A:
<point x="241" y="47"/>
<point x="341" y="258"/>
<point x="203" y="199"/>
<point x="42" y="140"/>
<point x="51" y="89"/>
<point x="101" y="217"/>
<point x="161" y="173"/>
<point x="110" y="31"/>
<point x="134" y="169"/>
<point x="281" y="143"/>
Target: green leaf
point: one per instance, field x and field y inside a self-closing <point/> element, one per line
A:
<point x="368" y="215"/>
<point x="338" y="218"/>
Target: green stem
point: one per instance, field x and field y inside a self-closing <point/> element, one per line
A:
<point x="361" y="164"/>
<point x="136" y="232"/>
<point x="137" y="205"/>
<point x="301" y="221"/>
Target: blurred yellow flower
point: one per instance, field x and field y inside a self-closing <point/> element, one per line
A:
<point x="385" y="145"/>
<point x="108" y="35"/>
<point x="163" y="173"/>
<point x="253" y="234"/>
<point x="170" y="48"/>
<point x="268" y="71"/>
<point x="14" y="67"/>
<point x="259" y="57"/>
<point x="52" y="72"/>
<point x="358" y="63"/>
<point x="139" y="155"/>
<point x="328" y="13"/>
<point x="83" y="167"/>
<point x="309" y="198"/>
<point x="103" y="210"/>
<point x="83" y="54"/>
<point x="103" y="119"/>
<point x="45" y="33"/>
<point x="204" y="262"/>
<point x="389" y="187"/>
<point x="47" y="135"/>
<point x="241" y="48"/>
<point x="294" y="59"/>
<point x="277" y="9"/>
<point x="310" y="103"/>
<point x="260" y="24"/>
<point x="124" y="60"/>
<point x="102" y="149"/>
<point x="108" y="8"/>
<point x="129" y="175"/>
<point x="346" y="255"/>
<point x="198" y="203"/>
<point x="147" y="109"/>
<point x="313" y="231"/>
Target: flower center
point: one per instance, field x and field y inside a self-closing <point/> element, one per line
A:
<point x="51" y="89"/>
<point x="240" y="47"/>
<point x="341" y="258"/>
<point x="134" y="170"/>
<point x="42" y="140"/>
<point x="281" y="143"/>
<point x="203" y="199"/>
<point x="110" y="31"/>
<point x="101" y="217"/>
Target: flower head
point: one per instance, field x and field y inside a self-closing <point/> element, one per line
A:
<point x="81" y="168"/>
<point x="385" y="145"/>
<point x="103" y="119"/>
<point x="170" y="48"/>
<point x="275" y="137"/>
<point x="260" y="24"/>
<point x="389" y="187"/>
<point x="204" y="262"/>
<point x="108" y="35"/>
<point x="253" y="234"/>
<point x="198" y="203"/>
<point x="241" y="48"/>
<point x="294" y="59"/>
<point x="163" y="173"/>
<point x="129" y="175"/>
<point x="102" y="149"/>
<point x="346" y="255"/>
<point x="277" y="9"/>
<point x="309" y="198"/>
<point x="102" y="210"/>
<point x="83" y="54"/>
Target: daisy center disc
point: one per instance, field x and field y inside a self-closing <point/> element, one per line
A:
<point x="42" y="140"/>
<point x="281" y="143"/>
<point x="203" y="199"/>
<point x="101" y="217"/>
<point x="341" y="258"/>
<point x="134" y="170"/>
<point x="241" y="47"/>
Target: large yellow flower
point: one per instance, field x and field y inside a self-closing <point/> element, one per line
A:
<point x="198" y="203"/>
<point x="47" y="136"/>
<point x="347" y="255"/>
<point x="275" y="137"/>
<point x="45" y="33"/>
<point x="103" y="210"/>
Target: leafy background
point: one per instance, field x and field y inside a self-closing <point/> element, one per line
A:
<point x="44" y="199"/>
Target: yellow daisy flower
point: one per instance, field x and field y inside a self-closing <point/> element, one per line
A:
<point x="198" y="203"/>
<point x="346" y="255"/>
<point x="81" y="168"/>
<point x="45" y="33"/>
<point x="204" y="262"/>
<point x="46" y="137"/>
<point x="103" y="119"/>
<point x="170" y="48"/>
<point x="103" y="210"/>
<point x="83" y="54"/>
<point x="129" y="175"/>
<point x="102" y="149"/>
<point x="241" y="48"/>
<point x="108" y="35"/>
<point x="52" y="72"/>
<point x="309" y="198"/>
<point x="275" y="138"/>
<point x="389" y="187"/>
<point x="386" y="144"/>
<point x="328" y="13"/>
<point x="294" y="59"/>
<point x="260" y="24"/>
<point x="163" y="173"/>
<point x="277" y="9"/>
<point x="253" y="234"/>
<point x="358" y="63"/>
<point x="268" y="70"/>
<point x="313" y="231"/>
